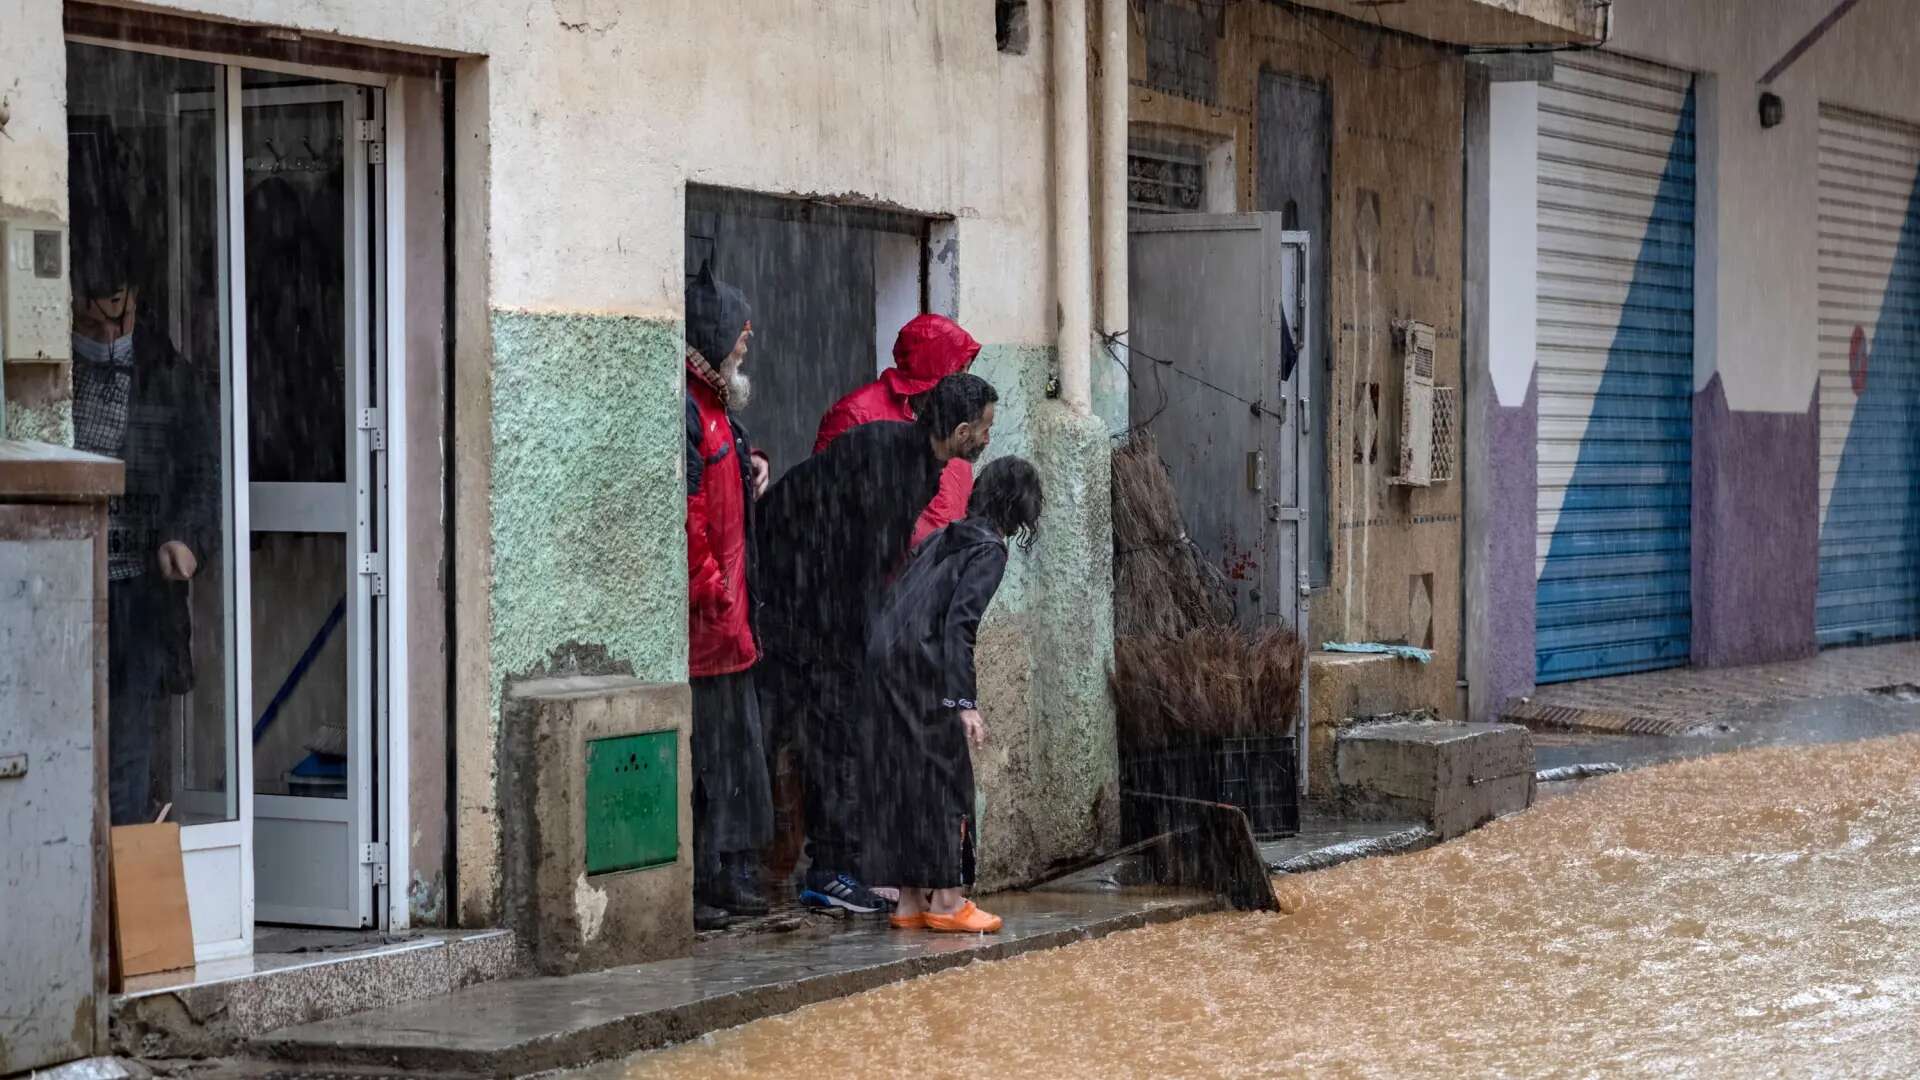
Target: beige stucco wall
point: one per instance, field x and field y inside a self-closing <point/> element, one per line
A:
<point x="1396" y="138"/>
<point x="33" y="186"/>
<point x="33" y="94"/>
<point x="601" y="112"/>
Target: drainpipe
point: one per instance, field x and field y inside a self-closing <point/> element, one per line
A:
<point x="1113" y="170"/>
<point x="1072" y="274"/>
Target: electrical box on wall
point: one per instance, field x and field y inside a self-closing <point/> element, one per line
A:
<point x="35" y="319"/>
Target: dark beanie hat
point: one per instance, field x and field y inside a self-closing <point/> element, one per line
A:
<point x="716" y="313"/>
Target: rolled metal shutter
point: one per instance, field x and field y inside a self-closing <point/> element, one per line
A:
<point x="1869" y="379"/>
<point x="1615" y="368"/>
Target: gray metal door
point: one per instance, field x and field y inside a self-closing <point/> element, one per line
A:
<point x="1208" y="293"/>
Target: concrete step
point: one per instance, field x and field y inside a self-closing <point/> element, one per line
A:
<point x="1326" y="840"/>
<point x="527" y="1025"/>
<point x="308" y="976"/>
<point x="1455" y="777"/>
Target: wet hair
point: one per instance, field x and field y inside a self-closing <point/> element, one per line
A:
<point x="1008" y="494"/>
<point x="954" y="400"/>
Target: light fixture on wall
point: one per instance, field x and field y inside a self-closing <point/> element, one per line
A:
<point x="1772" y="110"/>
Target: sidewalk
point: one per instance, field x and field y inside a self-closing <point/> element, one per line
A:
<point x="1682" y="701"/>
<point x="527" y="1025"/>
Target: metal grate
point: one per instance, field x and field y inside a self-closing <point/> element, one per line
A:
<point x="1446" y="412"/>
<point x="1165" y="183"/>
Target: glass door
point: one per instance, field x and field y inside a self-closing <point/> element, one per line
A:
<point x="313" y="492"/>
<point x="155" y="308"/>
<point x="229" y="331"/>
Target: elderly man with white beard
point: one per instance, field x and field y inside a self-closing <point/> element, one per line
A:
<point x="732" y="803"/>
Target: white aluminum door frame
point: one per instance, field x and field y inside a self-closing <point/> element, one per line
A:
<point x="1296" y="301"/>
<point x="358" y="528"/>
<point x="221" y="904"/>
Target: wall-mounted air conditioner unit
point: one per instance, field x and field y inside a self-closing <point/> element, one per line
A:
<point x="1427" y="412"/>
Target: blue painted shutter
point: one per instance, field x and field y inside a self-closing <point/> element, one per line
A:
<point x="1615" y="368"/>
<point x="1869" y="379"/>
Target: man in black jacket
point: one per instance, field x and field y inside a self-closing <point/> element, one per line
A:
<point x="134" y="398"/>
<point x="831" y="532"/>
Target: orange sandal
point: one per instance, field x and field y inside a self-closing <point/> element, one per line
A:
<point x="968" y="920"/>
<point x="917" y="921"/>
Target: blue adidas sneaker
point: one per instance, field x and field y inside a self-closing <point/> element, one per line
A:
<point x="823" y="889"/>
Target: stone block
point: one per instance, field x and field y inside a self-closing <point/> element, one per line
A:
<point x="568" y="918"/>
<point x="1454" y="776"/>
<point x="1346" y="688"/>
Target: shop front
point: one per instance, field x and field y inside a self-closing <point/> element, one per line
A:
<point x="240" y="340"/>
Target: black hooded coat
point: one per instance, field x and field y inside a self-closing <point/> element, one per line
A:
<point x="919" y="675"/>
<point x="832" y="529"/>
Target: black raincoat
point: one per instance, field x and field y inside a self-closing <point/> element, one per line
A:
<point x="833" y="528"/>
<point x="828" y="534"/>
<point x="919" y="676"/>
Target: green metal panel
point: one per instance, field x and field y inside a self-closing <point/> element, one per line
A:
<point x="633" y="805"/>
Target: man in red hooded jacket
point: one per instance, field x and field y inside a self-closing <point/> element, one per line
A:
<point x="732" y="805"/>
<point x="929" y="348"/>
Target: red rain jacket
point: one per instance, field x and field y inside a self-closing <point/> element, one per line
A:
<point x="719" y="632"/>
<point x="929" y="348"/>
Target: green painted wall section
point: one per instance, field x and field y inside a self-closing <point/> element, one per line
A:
<point x="51" y="423"/>
<point x="1048" y="789"/>
<point x="588" y="501"/>
<point x="589" y="559"/>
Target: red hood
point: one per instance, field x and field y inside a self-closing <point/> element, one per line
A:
<point x="929" y="348"/>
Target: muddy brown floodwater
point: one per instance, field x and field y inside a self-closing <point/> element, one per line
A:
<point x="1752" y="915"/>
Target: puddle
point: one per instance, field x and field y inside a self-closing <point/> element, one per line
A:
<point x="1743" y="915"/>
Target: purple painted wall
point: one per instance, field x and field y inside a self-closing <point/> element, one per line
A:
<point x="1511" y="484"/>
<point x="1756" y="533"/>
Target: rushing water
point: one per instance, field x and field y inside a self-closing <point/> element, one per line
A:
<point x="1755" y="914"/>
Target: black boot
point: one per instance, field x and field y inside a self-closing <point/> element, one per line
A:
<point x="708" y="917"/>
<point x="738" y="889"/>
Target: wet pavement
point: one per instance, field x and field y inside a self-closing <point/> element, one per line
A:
<point x="525" y="1025"/>
<point x="1781" y="723"/>
<point x="1746" y="914"/>
<point x="1678" y="699"/>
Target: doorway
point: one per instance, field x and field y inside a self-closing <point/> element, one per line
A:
<point x="239" y="213"/>
<point x="830" y="286"/>
<point x="1295" y="137"/>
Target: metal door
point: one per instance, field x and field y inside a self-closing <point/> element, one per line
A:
<point x="1615" y="368"/>
<point x="1869" y="379"/>
<point x="1228" y="408"/>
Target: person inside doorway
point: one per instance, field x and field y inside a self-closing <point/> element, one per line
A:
<point x="927" y="349"/>
<point x="924" y="710"/>
<point x="732" y="806"/>
<point x="136" y="399"/>
<point x="832" y="530"/>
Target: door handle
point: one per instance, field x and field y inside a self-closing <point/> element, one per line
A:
<point x="1306" y="415"/>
